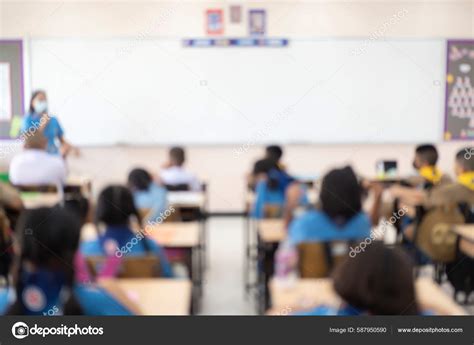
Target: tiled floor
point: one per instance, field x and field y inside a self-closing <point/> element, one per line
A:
<point x="223" y="284"/>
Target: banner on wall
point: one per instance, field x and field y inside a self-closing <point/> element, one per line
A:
<point x="215" y="22"/>
<point x="459" y="106"/>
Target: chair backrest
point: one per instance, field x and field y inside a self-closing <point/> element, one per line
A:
<point x="434" y="236"/>
<point x="182" y="187"/>
<point x="272" y="211"/>
<point x="147" y="266"/>
<point x="37" y="188"/>
<point x="318" y="259"/>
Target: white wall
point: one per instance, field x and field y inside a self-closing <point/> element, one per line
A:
<point x="290" y="18"/>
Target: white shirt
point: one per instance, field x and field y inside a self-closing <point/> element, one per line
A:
<point x="178" y="175"/>
<point x="35" y="167"/>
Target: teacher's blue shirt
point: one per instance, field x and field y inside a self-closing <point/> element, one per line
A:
<point x="52" y="131"/>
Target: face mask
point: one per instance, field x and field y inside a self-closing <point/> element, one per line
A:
<point x="40" y="106"/>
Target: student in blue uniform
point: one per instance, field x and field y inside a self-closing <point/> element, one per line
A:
<point x="339" y="215"/>
<point x="147" y="194"/>
<point x="116" y="209"/>
<point x="378" y="281"/>
<point x="44" y="275"/>
<point x="38" y="118"/>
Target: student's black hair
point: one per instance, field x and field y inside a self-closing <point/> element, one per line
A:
<point x="48" y="239"/>
<point x="274" y="152"/>
<point x="341" y="195"/>
<point x="465" y="158"/>
<point x="378" y="280"/>
<point x="178" y="155"/>
<point x="428" y="153"/>
<point x="115" y="206"/>
<point x="33" y="96"/>
<point x="139" y="179"/>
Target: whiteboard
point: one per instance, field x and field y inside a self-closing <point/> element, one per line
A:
<point x="154" y="91"/>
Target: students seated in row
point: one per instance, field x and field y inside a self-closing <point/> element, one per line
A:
<point x="147" y="194"/>
<point x="45" y="281"/>
<point x="426" y="157"/>
<point x="116" y="211"/>
<point x="339" y="215"/>
<point x="459" y="191"/>
<point x="174" y="176"/>
<point x="378" y="281"/>
<point x="36" y="167"/>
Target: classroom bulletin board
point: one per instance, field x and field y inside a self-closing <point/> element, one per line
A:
<point x="459" y="107"/>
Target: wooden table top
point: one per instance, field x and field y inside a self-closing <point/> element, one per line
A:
<point x="307" y="293"/>
<point x="151" y="296"/>
<point x="170" y="235"/>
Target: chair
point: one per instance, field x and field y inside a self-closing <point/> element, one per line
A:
<point x="318" y="259"/>
<point x="37" y="188"/>
<point x="147" y="266"/>
<point x="272" y="211"/>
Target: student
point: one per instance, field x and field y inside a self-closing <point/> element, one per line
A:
<point x="460" y="193"/>
<point x="44" y="276"/>
<point x="39" y="118"/>
<point x="146" y="193"/>
<point x="378" y="281"/>
<point x="174" y="176"/>
<point x="426" y="157"/>
<point x="261" y="168"/>
<point x="116" y="210"/>
<point x="339" y="215"/>
<point x="34" y="166"/>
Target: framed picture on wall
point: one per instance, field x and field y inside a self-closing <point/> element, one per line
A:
<point x="235" y="14"/>
<point x="215" y="22"/>
<point x="257" y="22"/>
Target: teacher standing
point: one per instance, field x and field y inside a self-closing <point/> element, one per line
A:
<point x="39" y="118"/>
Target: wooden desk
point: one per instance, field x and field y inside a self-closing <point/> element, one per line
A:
<point x="151" y="296"/>
<point x="169" y="235"/>
<point x="308" y="293"/>
<point x="187" y="199"/>
<point x="271" y="230"/>
<point x="175" y="234"/>
<point x="36" y="200"/>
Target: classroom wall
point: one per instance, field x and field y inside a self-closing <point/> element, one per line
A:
<point x="289" y="18"/>
<point x="220" y="165"/>
<point x="225" y="170"/>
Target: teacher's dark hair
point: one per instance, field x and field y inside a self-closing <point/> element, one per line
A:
<point x="378" y="280"/>
<point x="341" y="195"/>
<point x="33" y="96"/>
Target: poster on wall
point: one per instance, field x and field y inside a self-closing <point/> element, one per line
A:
<point x="215" y="22"/>
<point x="459" y="106"/>
<point x="257" y="22"/>
<point x="5" y="92"/>
<point x="235" y="14"/>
